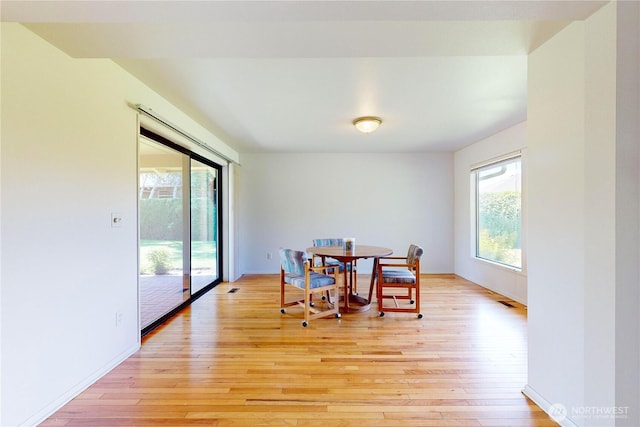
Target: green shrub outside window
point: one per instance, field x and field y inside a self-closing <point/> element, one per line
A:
<point x="499" y="212"/>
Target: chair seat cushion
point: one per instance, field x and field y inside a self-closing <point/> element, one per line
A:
<point x="316" y="280"/>
<point x="398" y="276"/>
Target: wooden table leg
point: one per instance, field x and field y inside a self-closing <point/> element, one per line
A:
<point x="359" y="303"/>
<point x="346" y="288"/>
<point x="374" y="271"/>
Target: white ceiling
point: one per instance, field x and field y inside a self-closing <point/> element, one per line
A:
<point x="290" y="76"/>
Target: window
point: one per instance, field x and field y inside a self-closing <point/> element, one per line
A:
<point x="498" y="211"/>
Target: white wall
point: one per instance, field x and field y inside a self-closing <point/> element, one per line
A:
<point x="556" y="212"/>
<point x="627" y="220"/>
<point x="502" y="280"/>
<point x="68" y="161"/>
<point x="583" y="218"/>
<point x="599" y="208"/>
<point x="391" y="200"/>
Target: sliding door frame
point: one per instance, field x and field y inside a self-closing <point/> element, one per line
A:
<point x="219" y="241"/>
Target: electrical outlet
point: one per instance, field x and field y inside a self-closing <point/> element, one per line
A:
<point x="118" y="318"/>
<point x="268" y="255"/>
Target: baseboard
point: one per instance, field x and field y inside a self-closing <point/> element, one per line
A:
<point x="440" y="275"/>
<point x="496" y="291"/>
<point x="557" y="412"/>
<point x="54" y="406"/>
<point x="508" y="295"/>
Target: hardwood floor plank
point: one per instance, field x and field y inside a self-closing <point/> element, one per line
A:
<point x="234" y="360"/>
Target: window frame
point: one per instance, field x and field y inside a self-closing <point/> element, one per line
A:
<point x="474" y="211"/>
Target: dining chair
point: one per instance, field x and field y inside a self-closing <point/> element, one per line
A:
<point x="297" y="272"/>
<point x="398" y="278"/>
<point x="321" y="260"/>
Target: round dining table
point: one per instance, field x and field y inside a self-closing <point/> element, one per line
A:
<point x="352" y="302"/>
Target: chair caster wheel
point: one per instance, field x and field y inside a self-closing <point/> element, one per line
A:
<point x="311" y="304"/>
<point x="324" y="298"/>
<point x="282" y="310"/>
<point x="304" y="324"/>
<point x="381" y="314"/>
<point x="412" y="302"/>
<point x="338" y="315"/>
<point x="419" y="315"/>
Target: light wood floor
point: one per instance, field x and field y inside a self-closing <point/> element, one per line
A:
<point x="232" y="359"/>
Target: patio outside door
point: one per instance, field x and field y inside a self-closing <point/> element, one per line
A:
<point x="204" y="225"/>
<point x="162" y="224"/>
<point x="179" y="227"/>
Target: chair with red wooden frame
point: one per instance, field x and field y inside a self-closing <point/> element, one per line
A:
<point x="321" y="260"/>
<point x="398" y="278"/>
<point x="297" y="272"/>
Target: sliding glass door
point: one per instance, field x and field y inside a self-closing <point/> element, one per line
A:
<point x="161" y="216"/>
<point x="204" y="225"/>
<point x="179" y="227"/>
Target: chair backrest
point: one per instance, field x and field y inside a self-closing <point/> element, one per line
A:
<point x="414" y="252"/>
<point x="328" y="242"/>
<point x="292" y="261"/>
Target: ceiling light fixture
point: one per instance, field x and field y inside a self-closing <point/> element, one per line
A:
<point x="367" y="124"/>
